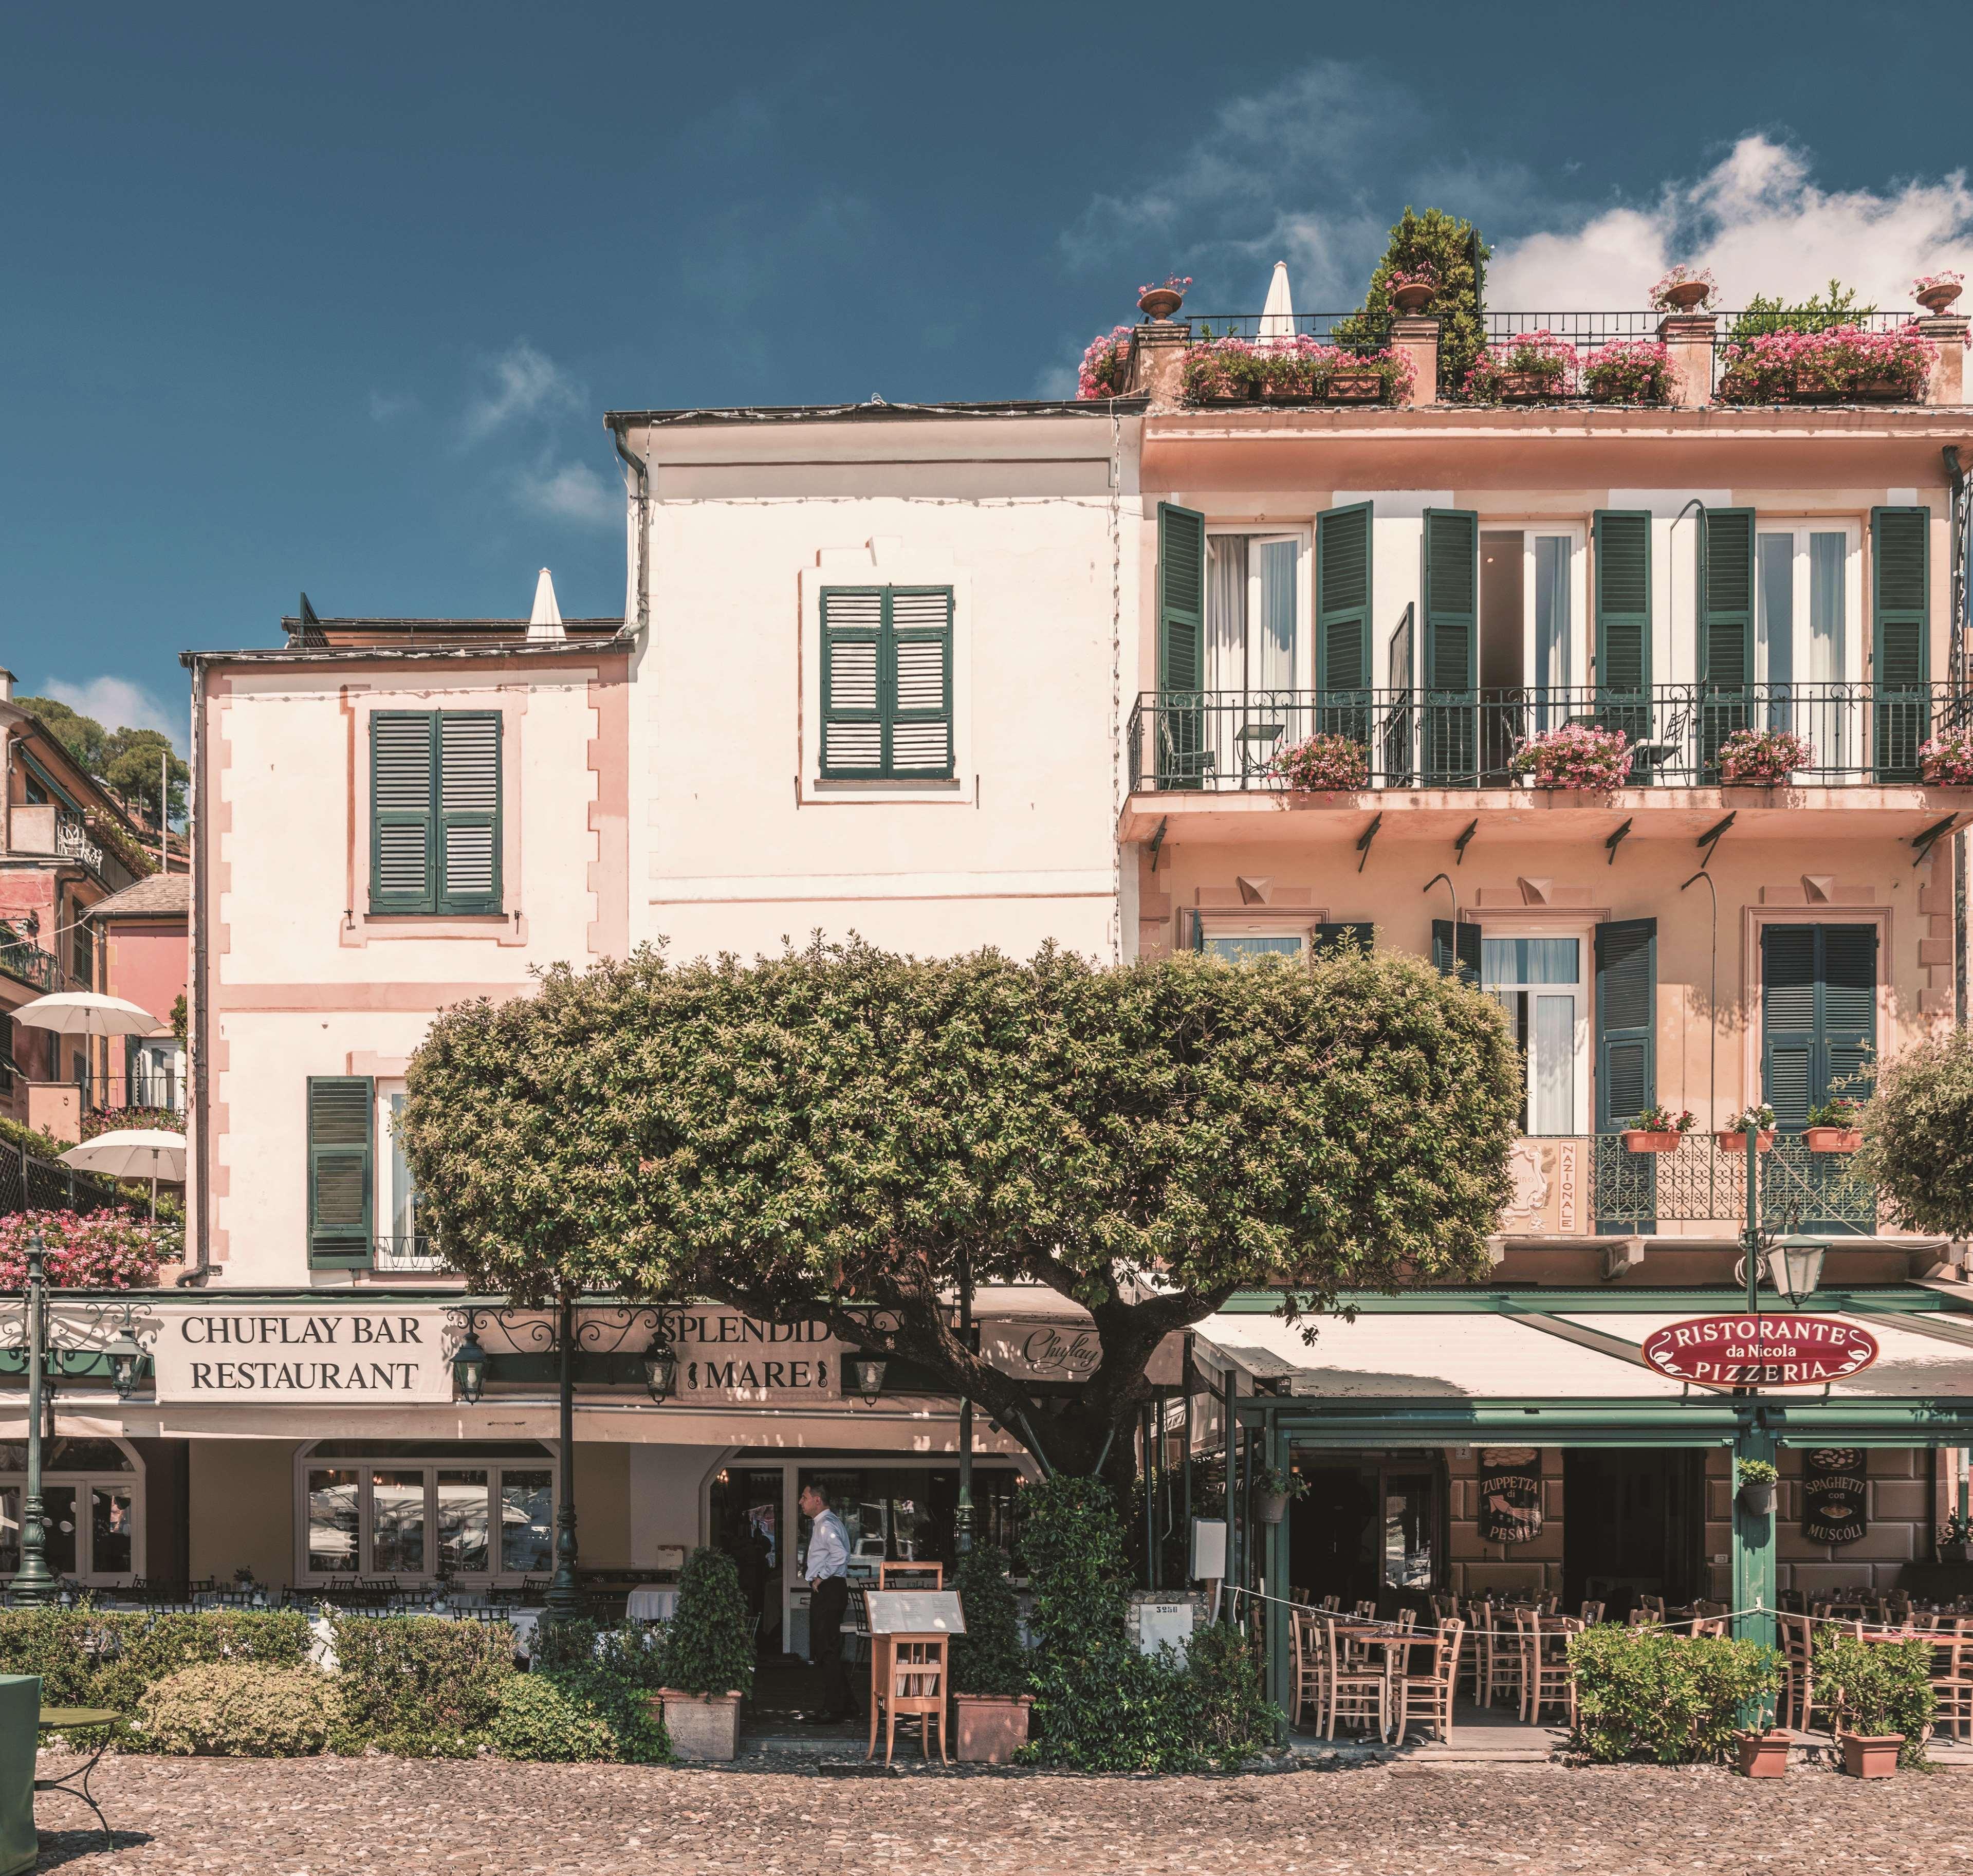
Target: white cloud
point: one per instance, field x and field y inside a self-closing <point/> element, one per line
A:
<point x="1759" y="222"/>
<point x="569" y="492"/>
<point x="523" y="383"/>
<point x="116" y="703"/>
<point x="386" y="405"/>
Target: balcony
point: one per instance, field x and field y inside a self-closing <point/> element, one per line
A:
<point x="412" y="1253"/>
<point x="28" y="964"/>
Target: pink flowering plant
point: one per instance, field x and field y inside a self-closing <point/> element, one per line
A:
<point x="1945" y="276"/>
<point x="1946" y="760"/>
<point x="112" y="1120"/>
<point x="105" y="1250"/>
<point x="1663" y="1120"/>
<point x="1106" y="365"/>
<point x="1423" y="275"/>
<point x="1630" y="370"/>
<point x="1301" y="367"/>
<point x="1843" y="362"/>
<point x="1538" y="356"/>
<point x="1760" y="758"/>
<point x="1171" y="283"/>
<point x="1682" y="276"/>
<point x="1578" y="755"/>
<point x="1326" y="762"/>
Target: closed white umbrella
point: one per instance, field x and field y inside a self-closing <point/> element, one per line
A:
<point x="133" y="1153"/>
<point x="1278" y="316"/>
<point x="87" y="1013"/>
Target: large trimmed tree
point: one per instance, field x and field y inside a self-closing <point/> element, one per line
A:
<point x="829" y="1133"/>
<point x="1917" y="1135"/>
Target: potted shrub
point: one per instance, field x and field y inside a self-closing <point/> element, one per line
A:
<point x="990" y="1667"/>
<point x="1757" y="1480"/>
<point x="1834" y="364"/>
<point x="1630" y="370"/>
<point x="1369" y="378"/>
<point x="1880" y="1693"/>
<point x="1762" y="758"/>
<point x="1328" y="762"/>
<point x="1935" y="292"/>
<point x="1218" y="371"/>
<point x="1946" y="760"/>
<point x="1835" y="1126"/>
<point x="1578" y="755"/>
<point x="1763" y="1754"/>
<point x="1272" y="1492"/>
<point x="1658" y="1130"/>
<point x="1105" y="370"/>
<point x="1411" y="288"/>
<point x="1955" y="1536"/>
<point x="1161" y="302"/>
<point x="1733" y="1137"/>
<point x="1536" y="367"/>
<point x="1683" y="290"/>
<point x="708" y="1659"/>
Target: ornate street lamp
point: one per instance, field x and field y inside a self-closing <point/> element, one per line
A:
<point x="660" y="1365"/>
<point x="868" y="1370"/>
<point x="1794" y="1266"/>
<point x="126" y="1356"/>
<point x="34" y="1582"/>
<point x="469" y="1370"/>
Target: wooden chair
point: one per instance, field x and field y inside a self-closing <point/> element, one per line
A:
<point x="1365" y="1610"/>
<point x="1444" y="1608"/>
<point x="1356" y="1692"/>
<point x="1592" y="1614"/>
<point x="1332" y="1603"/>
<point x="1547" y="1676"/>
<point x="1653" y="1608"/>
<point x="1311" y="1658"/>
<point x="1797" y="1639"/>
<point x="1952" y="1675"/>
<point x="910" y="1684"/>
<point x="1428" y="1696"/>
<point x="1501" y="1670"/>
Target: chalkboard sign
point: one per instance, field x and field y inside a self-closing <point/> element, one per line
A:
<point x="1834" y="1496"/>
<point x="1511" y="1493"/>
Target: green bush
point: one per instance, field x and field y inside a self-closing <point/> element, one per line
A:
<point x="708" y="1645"/>
<point x="239" y="1710"/>
<point x="988" y="1659"/>
<point x="88" y="1657"/>
<point x="1450" y="248"/>
<point x="419" y="1686"/>
<point x="1917" y="1135"/>
<point x="601" y="1681"/>
<point x="1876" y="1688"/>
<point x="1676" y="1699"/>
<point x="545" y="1715"/>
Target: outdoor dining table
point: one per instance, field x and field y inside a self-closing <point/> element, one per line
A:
<point x="651" y="1603"/>
<point x="76" y="1782"/>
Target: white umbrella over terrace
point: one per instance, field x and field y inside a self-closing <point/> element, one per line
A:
<point x="87" y="1013"/>
<point x="133" y="1153"/>
<point x="1278" y="316"/>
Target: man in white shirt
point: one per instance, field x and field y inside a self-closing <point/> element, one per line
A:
<point x="826" y="1568"/>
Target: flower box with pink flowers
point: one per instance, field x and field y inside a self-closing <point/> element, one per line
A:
<point x="1842" y="365"/>
<point x="1946" y="762"/>
<point x="105" y="1250"/>
<point x="1233" y="370"/>
<point x="1535" y="368"/>
<point x="1326" y="763"/>
<point x="1762" y="758"/>
<point x="1578" y="755"/>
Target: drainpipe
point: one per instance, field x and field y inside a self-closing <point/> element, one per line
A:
<point x="641" y="501"/>
<point x="196" y="1224"/>
<point x="1962" y="526"/>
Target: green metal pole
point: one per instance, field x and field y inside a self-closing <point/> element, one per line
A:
<point x="1274" y="1586"/>
<point x="962" y="1516"/>
<point x="1753" y="1234"/>
<point x="565" y="1598"/>
<point x="1227" y="1396"/>
<point x="34" y="1582"/>
<point x="1754" y="1573"/>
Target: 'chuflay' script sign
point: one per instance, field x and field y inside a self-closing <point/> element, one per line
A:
<point x="1761" y="1351"/>
<point x="278" y="1354"/>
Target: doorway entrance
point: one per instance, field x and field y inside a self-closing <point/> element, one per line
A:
<point x="1634" y="1524"/>
<point x="1368" y="1529"/>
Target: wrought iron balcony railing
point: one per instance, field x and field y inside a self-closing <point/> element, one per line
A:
<point x="412" y="1252"/>
<point x="1856" y="734"/>
<point x="28" y="964"/>
<point x="1701" y="1183"/>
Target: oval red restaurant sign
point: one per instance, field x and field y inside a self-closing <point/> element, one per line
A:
<point x="1761" y="1351"/>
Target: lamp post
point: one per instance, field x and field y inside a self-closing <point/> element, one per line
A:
<point x="34" y="1584"/>
<point x="962" y="1515"/>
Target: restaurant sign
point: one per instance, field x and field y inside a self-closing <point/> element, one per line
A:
<point x="279" y="1354"/>
<point x="1761" y="1351"/>
<point x="725" y="1357"/>
<point x="1511" y="1494"/>
<point x="1835" y="1495"/>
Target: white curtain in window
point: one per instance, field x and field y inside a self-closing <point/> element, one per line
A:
<point x="1776" y="615"/>
<point x="1272" y="664"/>
<point x="1826" y="622"/>
<point x="1226" y="612"/>
<point x="1554" y="626"/>
<point x="1553" y="1093"/>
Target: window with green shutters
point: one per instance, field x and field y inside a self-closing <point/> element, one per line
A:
<point x="1624" y="621"/>
<point x="1456" y="951"/>
<point x="887" y="684"/>
<point x="1818" y="1016"/>
<point x="1342" y="598"/>
<point x="1900" y="616"/>
<point x="1726" y="649"/>
<point x="1451" y="646"/>
<point x="341" y="1174"/>
<point x="1181" y="759"/>
<point x="435" y="811"/>
<point x="1627" y="1064"/>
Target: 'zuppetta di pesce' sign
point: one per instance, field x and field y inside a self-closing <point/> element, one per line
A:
<point x="1761" y="1351"/>
<point x="279" y="1353"/>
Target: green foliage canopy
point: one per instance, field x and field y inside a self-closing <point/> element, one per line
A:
<point x="124" y="760"/>
<point x="1918" y="1134"/>
<point x="1449" y="246"/>
<point x="828" y="1133"/>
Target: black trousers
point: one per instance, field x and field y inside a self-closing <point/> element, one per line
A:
<point x="825" y="1609"/>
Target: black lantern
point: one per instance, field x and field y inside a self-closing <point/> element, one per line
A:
<point x="469" y="1370"/>
<point x="1794" y="1266"/>
<point x="660" y="1363"/>
<point x="869" y="1372"/>
<point x="125" y="1356"/>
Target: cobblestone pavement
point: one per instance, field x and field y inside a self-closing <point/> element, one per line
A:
<point x="329" y="1817"/>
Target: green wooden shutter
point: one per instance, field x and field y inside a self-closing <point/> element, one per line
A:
<point x="1848" y="1018"/>
<point x="341" y="1113"/>
<point x="1456" y="951"/>
<point x="1451" y="586"/>
<point x="1627" y="988"/>
<point x="852" y="716"/>
<point x="1623" y="537"/>
<point x="1900" y="661"/>
<point x="918" y="681"/>
<point x="1361" y="934"/>
<point x="1725" y="648"/>
<point x="469" y="811"/>
<point x="403" y="838"/>
<point x="1182" y="759"/>
<point x="1342" y="598"/>
<point x="1818" y="1015"/>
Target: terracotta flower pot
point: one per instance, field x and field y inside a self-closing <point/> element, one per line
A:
<point x="991" y="1728"/>
<point x="1834" y="1139"/>
<point x="1353" y="387"/>
<point x="1884" y="391"/>
<point x="1762" y="1755"/>
<point x="1687" y="295"/>
<point x="1528" y="386"/>
<point x="1870" y="1755"/>
<point x="1644" y="1140"/>
<point x="1736" y="1142"/>
<point x="1937" y="298"/>
<point x="1160" y="302"/>
<point x="700" y="1726"/>
<point x="1952" y="1553"/>
<point x="1414" y="299"/>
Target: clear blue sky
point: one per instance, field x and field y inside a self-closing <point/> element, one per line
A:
<point x="334" y="297"/>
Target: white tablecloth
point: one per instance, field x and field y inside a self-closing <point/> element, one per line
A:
<point x="651" y="1602"/>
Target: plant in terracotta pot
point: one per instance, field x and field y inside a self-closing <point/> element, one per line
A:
<point x="1273" y="1491"/>
<point x="1630" y="370"/>
<point x="1683" y="290"/>
<point x="1161" y="301"/>
<point x="1757" y="1480"/>
<point x="1733" y="1137"/>
<point x="1105" y="370"/>
<point x="1955" y="1539"/>
<point x="1880" y="1694"/>
<point x="1658" y="1130"/>
<point x="1534" y="368"/>
<point x="1827" y="365"/>
<point x="1762" y="758"/>
<point x="1369" y="378"/>
<point x="1762" y="1754"/>
<point x="1326" y="762"/>
<point x="1578" y="755"/>
<point x="1946" y="760"/>
<point x="709" y="1658"/>
<point x="1835" y="1126"/>
<point x="1216" y="369"/>
<point x="990" y="1666"/>
<point x="1411" y="289"/>
<point x="1935" y="292"/>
